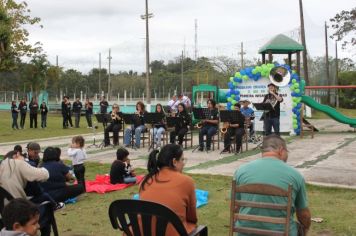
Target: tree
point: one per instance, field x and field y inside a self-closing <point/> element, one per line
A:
<point x="344" y="24"/>
<point x="13" y="34"/>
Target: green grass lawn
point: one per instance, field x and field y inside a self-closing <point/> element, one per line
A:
<point x="89" y="216"/>
<point x="54" y="128"/>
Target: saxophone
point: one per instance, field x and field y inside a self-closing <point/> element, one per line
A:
<point x="226" y="125"/>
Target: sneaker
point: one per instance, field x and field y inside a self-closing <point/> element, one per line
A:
<point x="59" y="206"/>
<point x="208" y="149"/>
<point x="226" y="150"/>
<point x="201" y="149"/>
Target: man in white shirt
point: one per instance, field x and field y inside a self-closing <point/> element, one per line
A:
<point x="173" y="103"/>
<point x="185" y="100"/>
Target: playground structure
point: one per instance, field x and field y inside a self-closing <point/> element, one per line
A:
<point x="278" y="45"/>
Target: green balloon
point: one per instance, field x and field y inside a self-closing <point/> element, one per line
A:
<point x="294" y="104"/>
<point x="258" y="68"/>
<point x="234" y="83"/>
<point x="294" y="116"/>
<point x="254" y="71"/>
<point x="295" y="126"/>
<point x="245" y="77"/>
<point x="233" y="102"/>
<point x="297" y="91"/>
<point x="238" y="75"/>
<point x="294" y="81"/>
<point x="296" y="85"/>
<point x="232" y="79"/>
<point x="229" y="99"/>
<point x="295" y="121"/>
<point x="232" y="96"/>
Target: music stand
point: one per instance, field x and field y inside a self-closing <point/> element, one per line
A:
<point x="172" y="121"/>
<point x="102" y="118"/>
<point x="94" y="127"/>
<point x="129" y="119"/>
<point x="153" y="118"/>
<point x="200" y="113"/>
<point x="265" y="107"/>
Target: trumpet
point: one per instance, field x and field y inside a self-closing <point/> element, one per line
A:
<point x="226" y="125"/>
<point x="114" y="116"/>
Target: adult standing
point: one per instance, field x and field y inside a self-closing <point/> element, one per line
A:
<point x="14" y="114"/>
<point x="64" y="112"/>
<point x="44" y="111"/>
<point x="271" y="118"/>
<point x="104" y="109"/>
<point x="77" y="108"/>
<point x="272" y="169"/>
<point x="88" y="112"/>
<point x="69" y="112"/>
<point x="23" y="111"/>
<point x="33" y="112"/>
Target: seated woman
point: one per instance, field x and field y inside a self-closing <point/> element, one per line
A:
<point x="138" y="126"/>
<point x="165" y="184"/>
<point x="121" y="169"/>
<point x="181" y="127"/>
<point x="56" y="185"/>
<point x="159" y="128"/>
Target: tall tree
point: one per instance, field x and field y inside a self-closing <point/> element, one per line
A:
<point x="14" y="43"/>
<point x="344" y="24"/>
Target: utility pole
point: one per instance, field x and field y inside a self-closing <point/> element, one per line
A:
<point x="181" y="73"/>
<point x="99" y="73"/>
<point x="302" y="31"/>
<point x="336" y="75"/>
<point x="196" y="40"/>
<point x="242" y="53"/>
<point x="327" y="62"/>
<point x="148" y="88"/>
<point x="109" y="78"/>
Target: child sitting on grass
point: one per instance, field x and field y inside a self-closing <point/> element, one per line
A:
<point x="121" y="169"/>
<point x="78" y="155"/>
<point x="20" y="218"/>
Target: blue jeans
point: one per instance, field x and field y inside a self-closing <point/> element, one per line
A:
<point x="128" y="180"/>
<point x="271" y="122"/>
<point x="14" y="121"/>
<point x="209" y="131"/>
<point x="128" y="133"/>
<point x="156" y="133"/>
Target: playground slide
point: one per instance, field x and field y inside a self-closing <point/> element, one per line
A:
<point x="334" y="114"/>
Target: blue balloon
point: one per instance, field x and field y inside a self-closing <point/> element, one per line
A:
<point x="237" y="98"/>
<point x="236" y="79"/>
<point x="228" y="94"/>
<point x="239" y="80"/>
<point x="229" y="104"/>
<point x="242" y="72"/>
<point x="237" y="92"/>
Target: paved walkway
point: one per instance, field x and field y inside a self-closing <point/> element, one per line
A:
<point x="328" y="159"/>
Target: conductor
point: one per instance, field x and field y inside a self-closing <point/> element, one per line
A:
<point x="271" y="118"/>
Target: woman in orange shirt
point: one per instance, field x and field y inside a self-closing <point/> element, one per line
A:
<point x="165" y="184"/>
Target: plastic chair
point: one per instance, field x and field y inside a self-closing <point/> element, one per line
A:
<point x="127" y="215"/>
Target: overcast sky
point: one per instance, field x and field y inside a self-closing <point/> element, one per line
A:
<point x="77" y="30"/>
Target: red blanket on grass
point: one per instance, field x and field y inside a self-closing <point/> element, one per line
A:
<point x="102" y="184"/>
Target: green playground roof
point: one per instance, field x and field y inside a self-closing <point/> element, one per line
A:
<point x="281" y="44"/>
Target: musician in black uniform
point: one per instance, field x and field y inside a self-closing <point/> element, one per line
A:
<point x="23" y="111"/>
<point x="181" y="128"/>
<point x="115" y="126"/>
<point x="271" y="118"/>
<point x="44" y="111"/>
<point x="69" y="112"/>
<point x="77" y="108"/>
<point x="88" y="112"/>
<point x="209" y="126"/>
<point x="33" y="112"/>
<point x="235" y="129"/>
<point x="160" y="127"/>
<point x="14" y="113"/>
<point x="104" y="109"/>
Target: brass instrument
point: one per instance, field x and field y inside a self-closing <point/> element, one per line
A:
<point x="226" y="125"/>
<point x="200" y="124"/>
<point x="114" y="116"/>
<point x="279" y="76"/>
